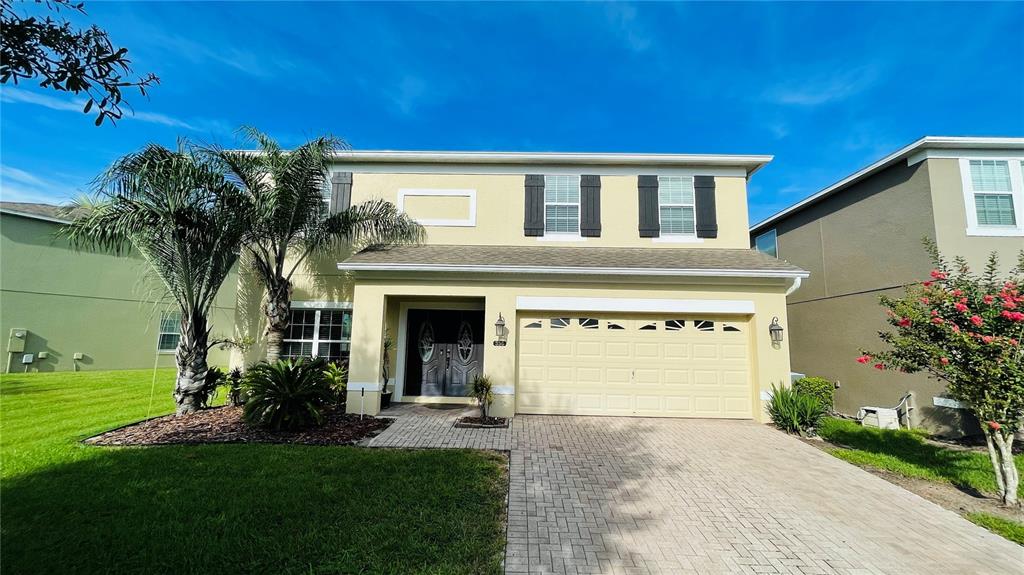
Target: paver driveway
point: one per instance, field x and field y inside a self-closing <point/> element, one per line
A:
<point x="631" y="495"/>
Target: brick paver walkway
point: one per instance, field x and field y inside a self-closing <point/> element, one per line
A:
<point x="631" y="495"/>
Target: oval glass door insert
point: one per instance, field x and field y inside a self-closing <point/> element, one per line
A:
<point x="465" y="342"/>
<point x="426" y="341"/>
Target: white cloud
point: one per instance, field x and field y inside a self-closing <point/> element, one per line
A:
<point x="17" y="185"/>
<point x="822" y="88"/>
<point x="623" y="21"/>
<point x="11" y="95"/>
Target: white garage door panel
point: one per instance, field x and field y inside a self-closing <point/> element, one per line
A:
<point x="571" y="363"/>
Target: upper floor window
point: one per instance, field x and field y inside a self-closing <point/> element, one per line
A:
<point x="170" y="324"/>
<point x="562" y="205"/>
<point x="768" y="243"/>
<point x="994" y="194"/>
<point x="676" y="206"/>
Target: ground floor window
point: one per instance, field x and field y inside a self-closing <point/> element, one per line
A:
<point x="325" y="333"/>
<point x="169" y="335"/>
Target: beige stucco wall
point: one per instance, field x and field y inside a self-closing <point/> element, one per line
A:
<point x="500" y="205"/>
<point x="375" y="298"/>
<point x="103" y="306"/>
<point x="951" y="221"/>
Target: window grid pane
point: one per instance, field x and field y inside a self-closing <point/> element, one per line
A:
<point x="328" y="338"/>
<point x="995" y="209"/>
<point x="562" y="189"/>
<point x="677" y="220"/>
<point x="169" y="335"/>
<point x="562" y="219"/>
<point x="168" y="342"/>
<point x="676" y="190"/>
<point x="990" y="175"/>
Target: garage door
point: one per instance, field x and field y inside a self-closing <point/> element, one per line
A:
<point x="634" y="365"/>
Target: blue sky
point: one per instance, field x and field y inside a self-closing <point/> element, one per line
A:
<point x="826" y="88"/>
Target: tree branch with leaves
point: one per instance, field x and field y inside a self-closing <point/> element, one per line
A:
<point x="966" y="331"/>
<point x="66" y="59"/>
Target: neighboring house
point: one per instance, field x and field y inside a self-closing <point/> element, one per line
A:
<point x="597" y="284"/>
<point x="861" y="238"/>
<point x="62" y="309"/>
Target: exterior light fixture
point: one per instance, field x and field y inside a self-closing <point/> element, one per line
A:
<point x="775" y="330"/>
<point x="500" y="331"/>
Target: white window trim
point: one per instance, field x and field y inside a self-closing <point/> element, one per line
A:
<point x="319" y="307"/>
<point x="565" y="236"/>
<point x="678" y="238"/>
<point x="161" y="333"/>
<point x="469" y="222"/>
<point x="1016" y="192"/>
<point x="765" y="233"/>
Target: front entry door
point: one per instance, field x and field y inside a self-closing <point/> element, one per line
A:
<point x="444" y="351"/>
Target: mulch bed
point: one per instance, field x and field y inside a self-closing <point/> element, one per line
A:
<point x="225" y="425"/>
<point x="481" y="422"/>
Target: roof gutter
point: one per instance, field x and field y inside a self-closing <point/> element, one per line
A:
<point x="674" y="272"/>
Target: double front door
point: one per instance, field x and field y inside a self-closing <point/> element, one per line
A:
<point x="444" y="351"/>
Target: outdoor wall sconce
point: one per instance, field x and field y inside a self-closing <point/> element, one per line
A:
<point x="500" y="331"/>
<point x="775" y="330"/>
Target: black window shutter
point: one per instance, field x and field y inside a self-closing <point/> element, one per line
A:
<point x="533" y="222"/>
<point x="647" y="188"/>
<point x="341" y="191"/>
<point x="590" y="206"/>
<point x="707" y="216"/>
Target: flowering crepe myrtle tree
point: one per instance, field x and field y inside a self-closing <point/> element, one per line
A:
<point x="966" y="330"/>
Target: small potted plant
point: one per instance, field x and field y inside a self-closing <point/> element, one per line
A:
<point x="387" y="346"/>
<point x="482" y="391"/>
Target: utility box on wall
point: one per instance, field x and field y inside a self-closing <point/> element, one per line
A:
<point x="16" y="341"/>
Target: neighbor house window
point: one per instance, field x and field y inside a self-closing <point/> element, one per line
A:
<point x="994" y="194"/>
<point x="767" y="243"/>
<point x="562" y="205"/>
<point x="170" y="331"/>
<point x="325" y="333"/>
<point x="676" y="206"/>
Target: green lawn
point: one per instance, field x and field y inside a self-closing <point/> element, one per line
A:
<point x="907" y="453"/>
<point x="69" y="508"/>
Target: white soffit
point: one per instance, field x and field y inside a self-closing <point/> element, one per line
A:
<point x="628" y="305"/>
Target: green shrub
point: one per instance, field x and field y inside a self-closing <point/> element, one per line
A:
<point x="819" y="387"/>
<point x="287" y="394"/>
<point x="795" y="412"/>
<point x="481" y="390"/>
<point x="234" y="385"/>
<point x="337" y="378"/>
<point x="214" y="379"/>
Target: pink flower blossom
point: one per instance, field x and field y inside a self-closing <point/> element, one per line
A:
<point x="987" y="338"/>
<point x="976" y="320"/>
<point x="926" y="284"/>
<point x="989" y="299"/>
<point x="936" y="274"/>
<point x="904" y="322"/>
<point x="938" y="320"/>
<point x="955" y="328"/>
<point x="1013" y="315"/>
<point x="960" y="307"/>
<point x="958" y="292"/>
<point x="864" y="359"/>
<point x="925" y="301"/>
<point x="944" y="360"/>
<point x="879" y="366"/>
<point x="994" y="425"/>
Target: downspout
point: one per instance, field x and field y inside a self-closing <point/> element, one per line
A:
<point x="795" y="286"/>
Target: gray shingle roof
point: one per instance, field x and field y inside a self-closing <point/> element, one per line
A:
<point x="556" y="259"/>
<point x="47" y="211"/>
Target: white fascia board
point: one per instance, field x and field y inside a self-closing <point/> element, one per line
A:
<point x="909" y="152"/>
<point x="751" y="163"/>
<point x="631" y="305"/>
<point x="741" y="273"/>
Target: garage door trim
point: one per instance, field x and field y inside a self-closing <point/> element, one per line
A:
<point x="635" y="305"/>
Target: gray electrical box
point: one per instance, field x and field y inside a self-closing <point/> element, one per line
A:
<point x="78" y="355"/>
<point x="16" y="343"/>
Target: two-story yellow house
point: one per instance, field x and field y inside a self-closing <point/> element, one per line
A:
<point x="597" y="284"/>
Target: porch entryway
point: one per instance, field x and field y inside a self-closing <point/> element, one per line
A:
<point x="443" y="351"/>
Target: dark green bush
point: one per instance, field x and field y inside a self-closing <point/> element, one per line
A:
<point x="795" y="412"/>
<point x="287" y="394"/>
<point x="819" y="387"/>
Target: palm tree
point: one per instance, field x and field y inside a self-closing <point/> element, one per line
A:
<point x="187" y="221"/>
<point x="289" y="220"/>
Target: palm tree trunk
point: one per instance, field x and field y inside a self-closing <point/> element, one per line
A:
<point x="191" y="361"/>
<point x="278" y="315"/>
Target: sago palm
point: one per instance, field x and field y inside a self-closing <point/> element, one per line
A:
<point x="187" y="221"/>
<point x="289" y="220"/>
